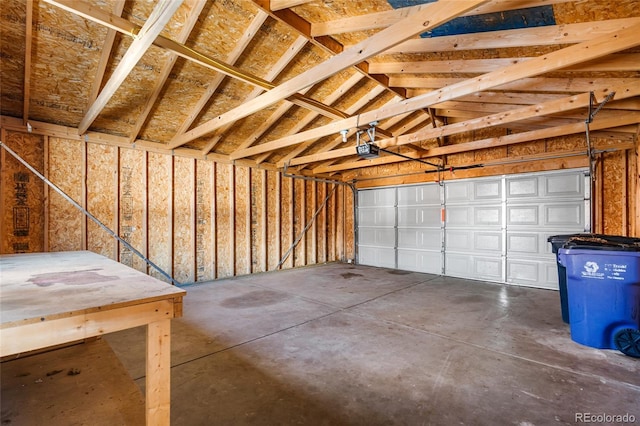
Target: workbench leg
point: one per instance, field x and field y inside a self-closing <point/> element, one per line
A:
<point x="158" y="386"/>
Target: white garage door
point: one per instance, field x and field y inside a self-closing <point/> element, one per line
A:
<point x="492" y="229"/>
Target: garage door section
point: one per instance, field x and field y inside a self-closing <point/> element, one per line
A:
<point x="377" y="227"/>
<point x="474" y="231"/>
<point x="492" y="229"/>
<point x="420" y="232"/>
<point x="539" y="206"/>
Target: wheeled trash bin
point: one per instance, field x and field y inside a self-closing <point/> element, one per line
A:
<point x="603" y="293"/>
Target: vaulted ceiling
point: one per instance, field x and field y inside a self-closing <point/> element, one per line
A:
<point x="286" y="82"/>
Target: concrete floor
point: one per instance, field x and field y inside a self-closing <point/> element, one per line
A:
<point x="340" y="344"/>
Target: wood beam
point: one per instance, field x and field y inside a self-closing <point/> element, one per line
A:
<point x="601" y="46"/>
<point x="545" y="36"/>
<point x="502" y="118"/>
<point x="275" y="70"/>
<point x="95" y="14"/>
<point x="491" y="142"/>
<point x="333" y="97"/>
<point x="538" y="84"/>
<point x="195" y="7"/>
<point x="231" y="58"/>
<point x="616" y="62"/>
<point x="156" y="22"/>
<point x="383" y="19"/>
<point x="433" y="15"/>
<point x="107" y="46"/>
<point x="26" y="95"/>
<point x="286" y="4"/>
<point x="377" y="90"/>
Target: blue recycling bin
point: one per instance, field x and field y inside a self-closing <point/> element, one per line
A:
<point x="603" y="292"/>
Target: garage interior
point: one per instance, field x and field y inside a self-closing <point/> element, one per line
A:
<point x="356" y="197"/>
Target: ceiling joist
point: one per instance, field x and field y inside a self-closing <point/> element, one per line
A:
<point x="156" y="22"/>
<point x="572" y="55"/>
<point x="432" y="16"/>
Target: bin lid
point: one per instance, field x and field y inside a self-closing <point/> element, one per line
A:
<point x="603" y="242"/>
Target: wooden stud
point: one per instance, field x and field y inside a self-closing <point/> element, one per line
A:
<point x="116" y="205"/>
<point x="83" y="196"/>
<point x="264" y="223"/>
<point x="214" y="224"/>
<point x="45" y="172"/>
<point x="278" y="208"/>
<point x="3" y="182"/>
<point x="624" y="228"/>
<point x="26" y="99"/>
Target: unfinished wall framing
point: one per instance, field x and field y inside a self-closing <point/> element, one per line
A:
<point x="197" y="220"/>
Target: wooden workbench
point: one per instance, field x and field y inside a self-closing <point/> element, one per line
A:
<point x="47" y="299"/>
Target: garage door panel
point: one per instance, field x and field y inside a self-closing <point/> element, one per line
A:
<point x="377" y="197"/>
<point x="488" y="190"/>
<point x="377" y="256"/>
<point x="419" y="195"/>
<point x="564" y="215"/>
<point x="564" y="185"/>
<point x="473" y="216"/>
<point x="419" y="216"/>
<point x="526" y="187"/>
<point x="474" y="266"/>
<point x="416" y="238"/>
<point x="459" y="240"/>
<point x="487" y="216"/>
<point x="385" y="237"/>
<point x="420" y="261"/>
<point x="533" y="273"/>
<point x="473" y="191"/>
<point x="523" y="215"/>
<point x="488" y="241"/>
<point x="378" y="216"/>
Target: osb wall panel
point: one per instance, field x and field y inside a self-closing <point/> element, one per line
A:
<point x="310" y="235"/>
<point x="258" y="221"/>
<point x="225" y="218"/>
<point x="287" y="220"/>
<point x="133" y="206"/>
<point x="299" y="203"/>
<point x="22" y="195"/>
<point x="12" y="27"/>
<point x="195" y="219"/>
<point x="205" y="227"/>
<point x="160" y="209"/>
<point x="274" y="215"/>
<point x="613" y="192"/>
<point x="183" y="220"/>
<point x="242" y="221"/>
<point x="66" y="159"/>
<point x="102" y="202"/>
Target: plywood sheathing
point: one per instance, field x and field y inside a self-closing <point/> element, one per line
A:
<point x="65" y="171"/>
<point x="12" y="28"/>
<point x="160" y="211"/>
<point x="205" y="217"/>
<point x="132" y="201"/>
<point x="184" y="219"/>
<point x="22" y="195"/>
<point x="225" y="220"/>
<point x="102" y="179"/>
